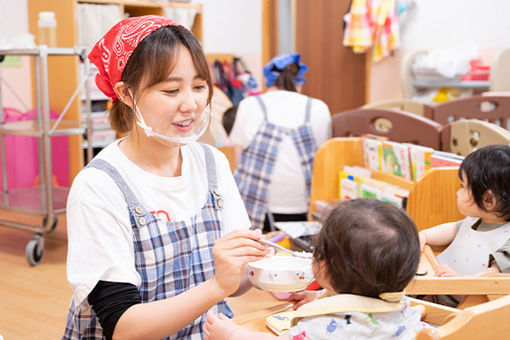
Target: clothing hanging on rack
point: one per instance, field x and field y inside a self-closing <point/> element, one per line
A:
<point x="233" y="78"/>
<point x="372" y="24"/>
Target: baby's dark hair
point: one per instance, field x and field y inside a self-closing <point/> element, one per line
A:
<point x="229" y="117"/>
<point x="488" y="168"/>
<point x="369" y="247"/>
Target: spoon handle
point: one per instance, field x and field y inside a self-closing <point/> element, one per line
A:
<point x="277" y="246"/>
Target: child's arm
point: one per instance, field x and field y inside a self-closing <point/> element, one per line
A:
<point x="222" y="328"/>
<point x="300" y="298"/>
<point x="440" y="235"/>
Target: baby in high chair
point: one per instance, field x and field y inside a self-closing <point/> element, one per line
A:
<point x="479" y="244"/>
<point x="365" y="255"/>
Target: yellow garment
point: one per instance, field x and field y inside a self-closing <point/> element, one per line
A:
<point x="373" y="23"/>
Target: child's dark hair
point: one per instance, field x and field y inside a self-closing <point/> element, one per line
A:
<point x="488" y="168"/>
<point x="369" y="247"/>
<point x="151" y="63"/>
<point x="285" y="80"/>
<point x="229" y="117"/>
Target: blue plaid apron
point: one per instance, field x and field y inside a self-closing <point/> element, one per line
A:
<point x="171" y="257"/>
<point x="253" y="174"/>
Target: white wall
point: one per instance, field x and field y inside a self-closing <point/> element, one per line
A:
<point x="429" y="24"/>
<point x="234" y="26"/>
<point x="13" y="22"/>
<point x="457" y="24"/>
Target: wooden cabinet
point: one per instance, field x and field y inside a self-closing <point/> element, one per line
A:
<point x="63" y="73"/>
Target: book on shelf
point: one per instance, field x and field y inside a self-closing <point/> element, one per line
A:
<point x="396" y="159"/>
<point x="440" y="158"/>
<point x="372" y="153"/>
<point x="419" y="157"/>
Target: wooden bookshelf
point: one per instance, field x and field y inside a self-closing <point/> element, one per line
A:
<point x="432" y="198"/>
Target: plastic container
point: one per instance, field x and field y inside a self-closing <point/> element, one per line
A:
<point x="22" y="154"/>
<point x="47" y="29"/>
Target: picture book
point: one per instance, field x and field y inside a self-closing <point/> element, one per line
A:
<point x="396" y="159"/>
<point x="419" y="157"/>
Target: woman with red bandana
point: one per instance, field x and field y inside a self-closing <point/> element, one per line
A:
<point x="157" y="231"/>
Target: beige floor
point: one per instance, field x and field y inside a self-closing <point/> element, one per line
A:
<point x="34" y="300"/>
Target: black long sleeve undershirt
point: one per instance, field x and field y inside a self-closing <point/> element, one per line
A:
<point x="109" y="300"/>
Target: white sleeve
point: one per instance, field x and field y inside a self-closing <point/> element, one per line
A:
<point x="233" y="213"/>
<point x="100" y="241"/>
<point x="248" y="119"/>
<point x="321" y="121"/>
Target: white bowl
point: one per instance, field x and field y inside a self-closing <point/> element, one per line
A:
<point x="281" y="273"/>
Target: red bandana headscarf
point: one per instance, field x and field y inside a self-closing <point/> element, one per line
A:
<point x="111" y="53"/>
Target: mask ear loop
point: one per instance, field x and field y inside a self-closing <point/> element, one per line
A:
<point x="141" y="122"/>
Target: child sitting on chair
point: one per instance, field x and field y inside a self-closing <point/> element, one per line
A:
<point x="366" y="254"/>
<point x="480" y="243"/>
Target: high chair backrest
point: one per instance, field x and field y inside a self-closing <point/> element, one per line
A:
<point x="486" y="321"/>
<point x="398" y="126"/>
<point x="406" y="105"/>
<point x="494" y="109"/>
<point x="465" y="136"/>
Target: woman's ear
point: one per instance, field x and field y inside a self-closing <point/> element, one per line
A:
<point x="122" y="91"/>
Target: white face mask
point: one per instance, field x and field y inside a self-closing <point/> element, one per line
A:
<point x="199" y="126"/>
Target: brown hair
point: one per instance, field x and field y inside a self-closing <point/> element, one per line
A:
<point x="151" y="63"/>
<point x="369" y="247"/>
<point x="286" y="77"/>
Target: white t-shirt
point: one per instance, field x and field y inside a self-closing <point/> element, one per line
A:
<point x="99" y="230"/>
<point x="287" y="191"/>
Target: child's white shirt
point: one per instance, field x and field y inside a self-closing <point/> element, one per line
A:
<point x="98" y="219"/>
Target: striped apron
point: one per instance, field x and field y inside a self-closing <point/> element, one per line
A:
<point x="171" y="257"/>
<point x="253" y="174"/>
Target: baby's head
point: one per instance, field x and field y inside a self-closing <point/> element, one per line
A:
<point x="486" y="173"/>
<point x="367" y="247"/>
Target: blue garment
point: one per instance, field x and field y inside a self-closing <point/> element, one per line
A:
<point x="169" y="262"/>
<point x="280" y="62"/>
<point x="253" y="174"/>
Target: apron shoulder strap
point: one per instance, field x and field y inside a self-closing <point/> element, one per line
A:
<point x="103" y="165"/>
<point x="262" y="106"/>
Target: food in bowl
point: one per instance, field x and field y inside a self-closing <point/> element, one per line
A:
<point x="281" y="273"/>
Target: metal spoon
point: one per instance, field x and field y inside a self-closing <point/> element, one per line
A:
<point x="295" y="253"/>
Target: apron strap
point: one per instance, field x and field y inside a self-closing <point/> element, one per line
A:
<point x="131" y="200"/>
<point x="262" y="106"/>
<point x="308" y="109"/>
<point x="212" y="179"/>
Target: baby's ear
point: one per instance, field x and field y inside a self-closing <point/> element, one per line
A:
<point x="489" y="200"/>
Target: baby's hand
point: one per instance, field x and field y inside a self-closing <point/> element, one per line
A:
<point x="444" y="270"/>
<point x="423" y="240"/>
<point x="218" y="327"/>
<point x="300" y="298"/>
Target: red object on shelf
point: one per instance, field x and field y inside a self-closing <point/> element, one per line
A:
<point x="478" y="71"/>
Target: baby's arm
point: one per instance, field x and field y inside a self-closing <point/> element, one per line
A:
<point x="441" y="235"/>
<point x="222" y="328"/>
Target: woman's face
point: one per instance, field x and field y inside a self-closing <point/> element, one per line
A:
<point x="173" y="106"/>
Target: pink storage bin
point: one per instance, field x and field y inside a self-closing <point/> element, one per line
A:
<point x="21" y="154"/>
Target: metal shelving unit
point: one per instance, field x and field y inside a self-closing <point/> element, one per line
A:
<point x="44" y="200"/>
